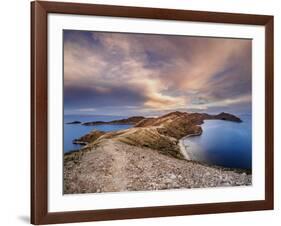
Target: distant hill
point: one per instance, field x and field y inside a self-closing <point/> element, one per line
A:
<point x="130" y="120"/>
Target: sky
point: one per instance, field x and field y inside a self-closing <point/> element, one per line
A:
<point x="147" y="74"/>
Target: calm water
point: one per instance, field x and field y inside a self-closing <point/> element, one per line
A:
<point x="73" y="131"/>
<point x="223" y="143"/>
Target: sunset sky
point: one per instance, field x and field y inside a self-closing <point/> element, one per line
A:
<point x="140" y="74"/>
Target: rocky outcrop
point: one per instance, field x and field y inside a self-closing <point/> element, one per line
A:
<point x="88" y="138"/>
<point x="225" y="116"/>
<point x="130" y="120"/>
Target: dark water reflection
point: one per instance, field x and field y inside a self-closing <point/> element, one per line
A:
<point x="223" y="143"/>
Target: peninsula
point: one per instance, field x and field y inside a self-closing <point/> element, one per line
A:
<point x="147" y="156"/>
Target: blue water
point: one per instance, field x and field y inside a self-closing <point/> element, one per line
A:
<point x="73" y="131"/>
<point x="223" y="143"/>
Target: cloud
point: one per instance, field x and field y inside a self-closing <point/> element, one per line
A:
<point x="154" y="72"/>
<point x="86" y="109"/>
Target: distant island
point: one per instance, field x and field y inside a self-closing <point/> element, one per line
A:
<point x="74" y="122"/>
<point x="130" y="120"/>
<point x="147" y="156"/>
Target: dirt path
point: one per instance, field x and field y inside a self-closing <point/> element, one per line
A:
<point x="119" y="179"/>
<point x="114" y="166"/>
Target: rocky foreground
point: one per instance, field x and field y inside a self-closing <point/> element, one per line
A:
<point x="145" y="157"/>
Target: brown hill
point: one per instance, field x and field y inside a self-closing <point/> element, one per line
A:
<point x="160" y="133"/>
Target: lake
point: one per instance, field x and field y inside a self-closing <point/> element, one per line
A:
<point x="73" y="131"/>
<point x="223" y="143"/>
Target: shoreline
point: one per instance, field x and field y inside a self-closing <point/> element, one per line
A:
<point x="183" y="150"/>
<point x="182" y="146"/>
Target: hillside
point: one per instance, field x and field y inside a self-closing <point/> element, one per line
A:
<point x="145" y="157"/>
<point x="160" y="133"/>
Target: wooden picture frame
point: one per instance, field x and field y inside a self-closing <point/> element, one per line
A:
<point x="39" y="112"/>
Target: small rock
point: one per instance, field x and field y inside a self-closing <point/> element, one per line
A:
<point x="173" y="176"/>
<point x="225" y="183"/>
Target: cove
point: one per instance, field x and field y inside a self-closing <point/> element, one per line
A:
<point x="222" y="143"/>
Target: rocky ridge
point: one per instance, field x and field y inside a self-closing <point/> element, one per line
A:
<point x="145" y="157"/>
<point x="161" y="133"/>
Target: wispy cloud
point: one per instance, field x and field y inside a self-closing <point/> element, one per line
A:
<point x="154" y="72"/>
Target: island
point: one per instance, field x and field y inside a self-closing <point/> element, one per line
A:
<point x="147" y="156"/>
<point x="74" y="122"/>
<point x="130" y="120"/>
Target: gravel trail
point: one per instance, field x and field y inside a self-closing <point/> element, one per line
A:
<point x="113" y="166"/>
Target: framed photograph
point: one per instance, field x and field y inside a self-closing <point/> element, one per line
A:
<point x="147" y="112"/>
